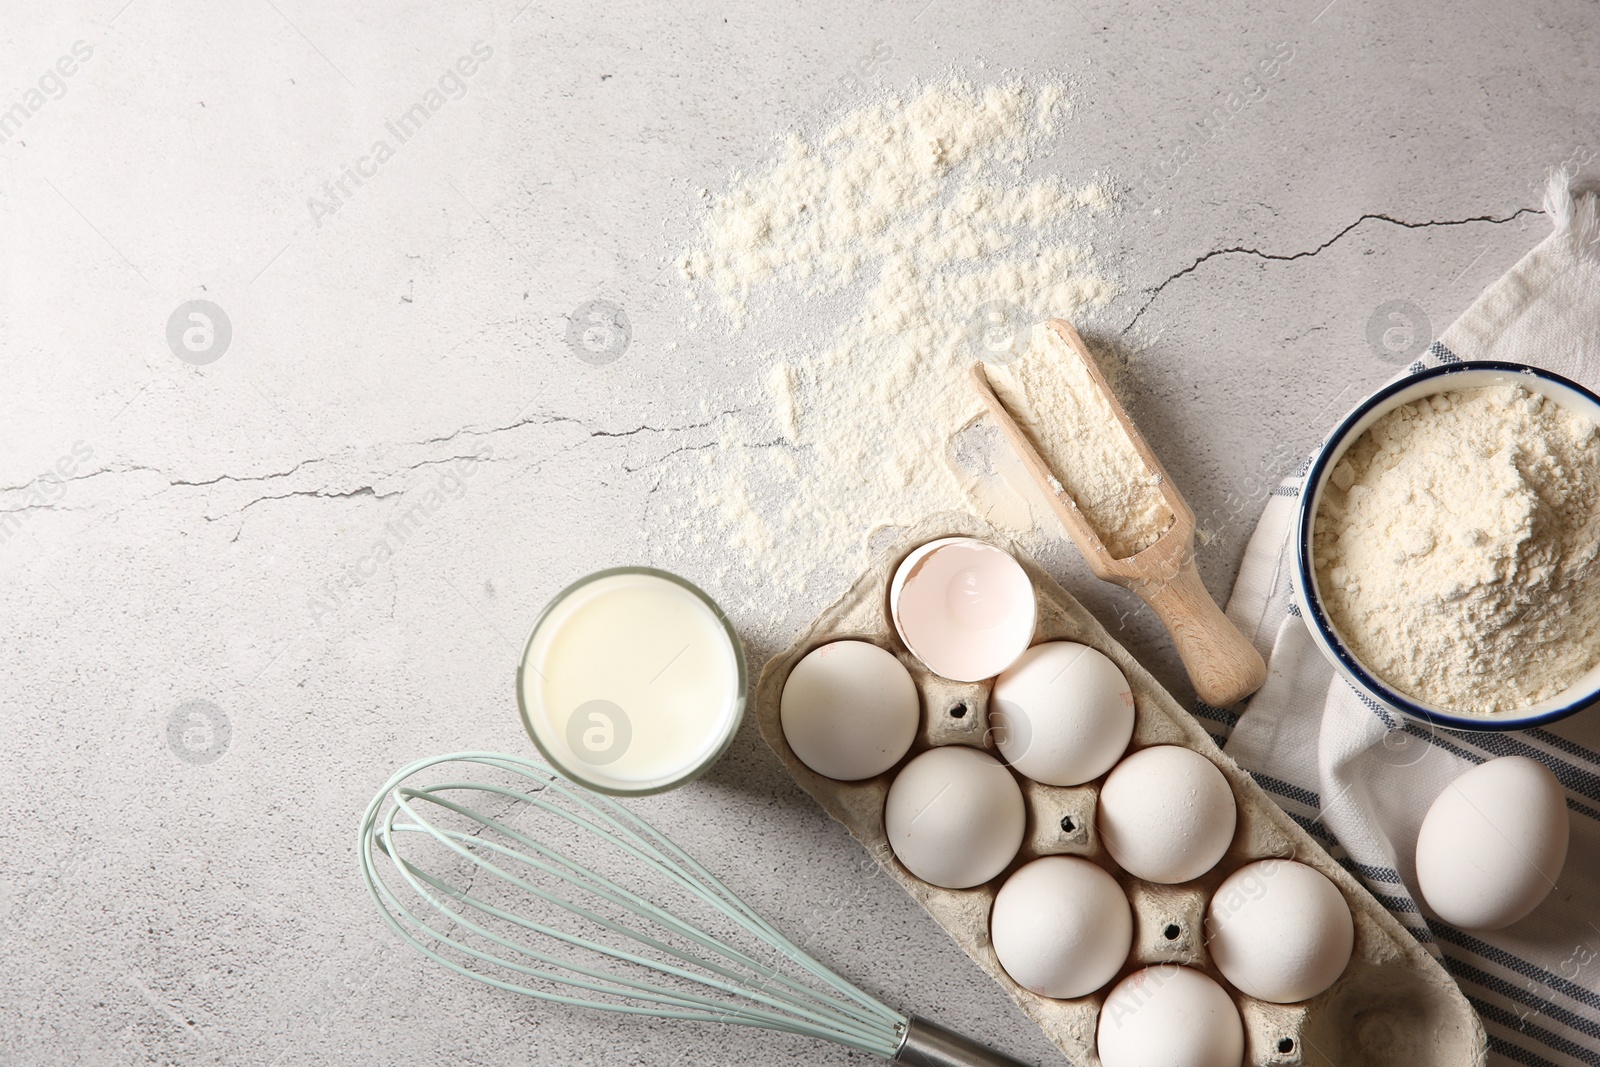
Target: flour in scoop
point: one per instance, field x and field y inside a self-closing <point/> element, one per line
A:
<point x="1456" y="549"/>
<point x="1050" y="395"/>
<point x="869" y="263"/>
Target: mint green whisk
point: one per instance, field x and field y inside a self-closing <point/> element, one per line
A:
<point x="537" y="886"/>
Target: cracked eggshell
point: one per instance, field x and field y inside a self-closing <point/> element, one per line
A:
<point x="964" y="608"/>
<point x="1063" y="713"/>
<point x="955" y="816"/>
<point x="850" y="710"/>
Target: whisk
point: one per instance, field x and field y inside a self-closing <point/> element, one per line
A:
<point x="502" y="903"/>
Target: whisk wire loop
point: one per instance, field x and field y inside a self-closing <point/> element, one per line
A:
<point x="591" y="882"/>
<point x="586" y="878"/>
<point x="763" y="995"/>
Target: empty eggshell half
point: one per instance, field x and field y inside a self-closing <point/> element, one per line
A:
<point x="1062" y="714"/>
<point x="1169" y="1016"/>
<point x="955" y="816"/>
<point x="1166" y="814"/>
<point x="849" y="710"/>
<point x="1279" y="931"/>
<point x="1061" y="927"/>
<point x="963" y="607"/>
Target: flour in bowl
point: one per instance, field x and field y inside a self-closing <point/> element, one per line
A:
<point x="1456" y="549"/>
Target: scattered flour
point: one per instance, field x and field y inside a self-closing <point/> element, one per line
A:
<point x="1050" y="395"/>
<point x="897" y="236"/>
<point x="1456" y="549"/>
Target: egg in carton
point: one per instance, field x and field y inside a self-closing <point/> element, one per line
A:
<point x="1393" y="1003"/>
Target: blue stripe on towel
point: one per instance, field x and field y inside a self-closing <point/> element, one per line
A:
<point x="1463" y="971"/>
<point x="1582" y="809"/>
<point x="1576" y="779"/>
<point x="1556" y="741"/>
<point x="1393" y="903"/>
<point x="1440" y="354"/>
<point x="1494" y="745"/>
<point x="1216" y="714"/>
<point x="1422" y="934"/>
<point x="1383" y="713"/>
<point x="1501" y="1047"/>
<point x="1572" y="778"/>
<point x="1494" y="1014"/>
<point x="1431" y="736"/>
<point x="1375" y="874"/>
<point x="1502" y="958"/>
<point x="1316" y="830"/>
<point x="1580" y="780"/>
<point x="1287" y="789"/>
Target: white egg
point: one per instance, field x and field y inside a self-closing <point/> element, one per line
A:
<point x="1061" y="927"/>
<point x="849" y="710"/>
<point x="1062" y="714"/>
<point x="1169" y="1016"/>
<point x="955" y="816"/>
<point x="1166" y="814"/>
<point x="1279" y="931"/>
<point x="1493" y="844"/>
<point x="963" y="607"/>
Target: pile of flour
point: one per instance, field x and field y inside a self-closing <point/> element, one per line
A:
<point x="1053" y="399"/>
<point x="1456" y="549"/>
<point x="897" y="238"/>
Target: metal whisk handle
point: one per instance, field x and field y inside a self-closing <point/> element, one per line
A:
<point x="930" y="1045"/>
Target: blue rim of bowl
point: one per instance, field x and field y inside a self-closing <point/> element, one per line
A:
<point x="742" y="683"/>
<point x="1306" y="523"/>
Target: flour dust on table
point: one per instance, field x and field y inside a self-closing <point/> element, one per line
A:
<point x="914" y="221"/>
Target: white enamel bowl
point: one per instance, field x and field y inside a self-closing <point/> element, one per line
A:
<point x="1466" y="375"/>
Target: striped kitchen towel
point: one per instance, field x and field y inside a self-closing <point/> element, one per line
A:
<point x="1360" y="779"/>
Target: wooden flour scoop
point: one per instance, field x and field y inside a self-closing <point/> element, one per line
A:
<point x="1224" y="667"/>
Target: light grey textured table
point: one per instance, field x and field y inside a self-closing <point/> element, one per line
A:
<point x="174" y="893"/>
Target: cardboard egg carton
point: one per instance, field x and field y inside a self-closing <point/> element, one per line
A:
<point x="1394" y="1004"/>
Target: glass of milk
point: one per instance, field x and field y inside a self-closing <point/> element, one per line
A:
<point x="632" y="682"/>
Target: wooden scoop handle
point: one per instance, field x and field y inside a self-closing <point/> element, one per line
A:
<point x="1224" y="667"/>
